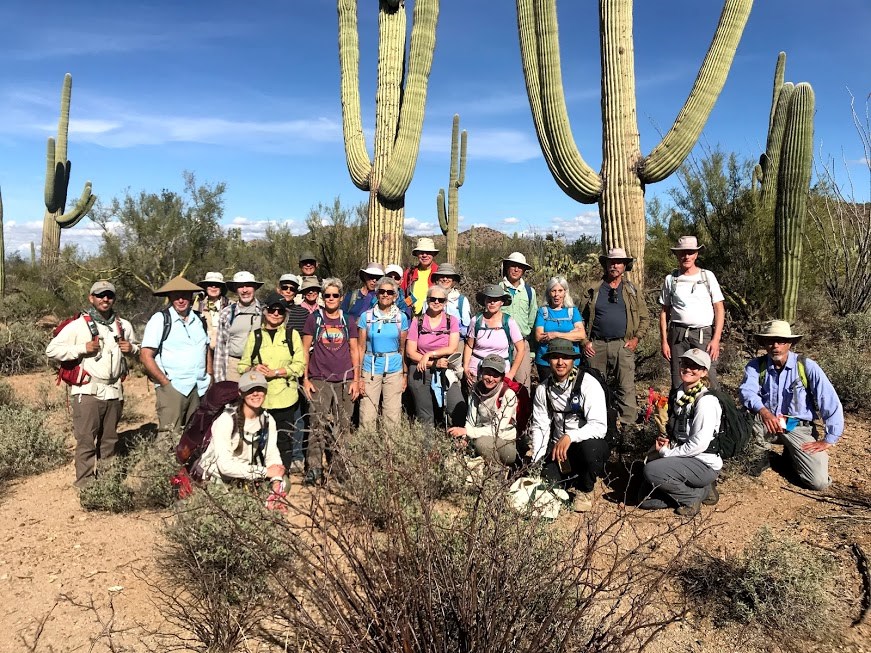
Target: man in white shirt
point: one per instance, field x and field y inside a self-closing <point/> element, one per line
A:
<point x="569" y="425"/>
<point x="693" y="312"/>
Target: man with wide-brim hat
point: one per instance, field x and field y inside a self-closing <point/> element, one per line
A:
<point x="361" y="299"/>
<point x="210" y="303"/>
<point x="615" y="316"/>
<point x="174" y="353"/>
<point x="236" y="321"/>
<point x="569" y="425"/>
<point x="449" y="278"/>
<point x="787" y="392"/>
<point x="523" y="307"/>
<point x="417" y="279"/>
<point x="692" y="313"/>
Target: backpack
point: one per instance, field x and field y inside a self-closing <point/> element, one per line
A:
<point x="479" y="326"/>
<point x="523" y="410"/>
<point x="545" y="313"/>
<point x="736" y="426"/>
<point x="574" y="403"/>
<point x="673" y="285"/>
<point x="319" y="325"/>
<point x="198" y="432"/>
<point x="167" y="327"/>
<point x="72" y="372"/>
<point x="258" y="342"/>
<point x="439" y="332"/>
<point x="802" y="369"/>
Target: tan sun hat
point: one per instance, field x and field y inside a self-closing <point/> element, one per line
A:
<point x="688" y="243"/>
<point x="517" y="258"/>
<point x="778" y="329"/>
<point x="177" y="284"/>
<point x="243" y="278"/>
<point x="425" y="245"/>
<point x="616" y="254"/>
<point x="373" y="269"/>
<point x="698" y="357"/>
<point x="213" y="277"/>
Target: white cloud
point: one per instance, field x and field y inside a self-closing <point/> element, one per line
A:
<point x="508" y="145"/>
<point x="87" y="235"/>
<point x="510" y="221"/>
<point x="253" y="229"/>
<point x="415" y="227"/>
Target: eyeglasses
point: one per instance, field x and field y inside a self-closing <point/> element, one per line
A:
<point x="612" y="295"/>
<point x="436" y="300"/>
<point x="106" y="294"/>
<point x="332" y="295"/>
<point x="382" y="291"/>
<point x="288" y="287"/>
<point x="276" y="309"/>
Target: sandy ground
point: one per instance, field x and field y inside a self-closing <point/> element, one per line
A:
<point x="76" y="581"/>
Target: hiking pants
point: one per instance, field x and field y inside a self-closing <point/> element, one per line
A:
<point x="498" y="450"/>
<point x="331" y="409"/>
<point x="685" y="480"/>
<point x="174" y="409"/>
<point x="95" y="425"/>
<point x="301" y="426"/>
<point x="285" y="426"/>
<point x="524" y="371"/>
<point x="383" y="391"/>
<point x="419" y="383"/>
<point x="681" y="340"/>
<point x="587" y="459"/>
<point x="614" y="359"/>
<point x="812" y="469"/>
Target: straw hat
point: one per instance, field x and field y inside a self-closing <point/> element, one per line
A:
<point x="243" y="278"/>
<point x="425" y="245"/>
<point x="687" y="244"/>
<point x="778" y="329"/>
<point x="177" y="284"/>
<point x="516" y="258"/>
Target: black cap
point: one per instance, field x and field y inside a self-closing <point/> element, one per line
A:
<point x="274" y="298"/>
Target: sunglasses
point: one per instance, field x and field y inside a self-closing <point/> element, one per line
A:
<point x="331" y="295"/>
<point x="106" y="294"/>
<point x="306" y="264"/>
<point x="394" y="276"/>
<point x="382" y="291"/>
<point x="436" y="300"/>
<point x="288" y="287"/>
<point x="494" y="300"/>
<point x="612" y="295"/>
<point x="213" y="285"/>
<point x="276" y="309"/>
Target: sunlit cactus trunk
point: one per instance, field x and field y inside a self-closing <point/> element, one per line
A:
<point x="449" y="215"/>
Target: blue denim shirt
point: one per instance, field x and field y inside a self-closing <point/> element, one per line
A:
<point x="183" y="358"/>
<point x="783" y="393"/>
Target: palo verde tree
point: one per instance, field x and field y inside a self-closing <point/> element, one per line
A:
<point x="619" y="187"/>
<point x="57" y="181"/>
<point x="400" y="101"/>
<point x="449" y="215"/>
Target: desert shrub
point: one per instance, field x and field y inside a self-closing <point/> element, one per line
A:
<point x="108" y="492"/>
<point x="26" y="446"/>
<point x="7" y="394"/>
<point x="780" y="587"/>
<point x="22" y="348"/>
<point x="214" y="568"/>
<point x="152" y="465"/>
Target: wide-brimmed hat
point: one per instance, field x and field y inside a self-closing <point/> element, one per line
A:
<point x="215" y="278"/>
<point x="492" y="362"/>
<point x="309" y="283"/>
<point x="561" y="347"/>
<point x="373" y="268"/>
<point x="251" y="380"/>
<point x="176" y="284"/>
<point x="274" y="299"/>
<point x="687" y="243"/>
<point x="493" y="291"/>
<point x="102" y="286"/>
<point x="425" y="245"/>
<point x="397" y="269"/>
<point x="243" y="278"/>
<point x="616" y="254"/>
<point x="308" y="255"/>
<point x="516" y="258"/>
<point x="447" y="270"/>
<point x="289" y="278"/>
<point x="779" y="329"/>
<point x="697" y="356"/>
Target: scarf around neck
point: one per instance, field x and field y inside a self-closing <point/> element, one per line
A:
<point x="99" y="319"/>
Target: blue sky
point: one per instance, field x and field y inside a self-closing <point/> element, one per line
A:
<point x="248" y="93"/>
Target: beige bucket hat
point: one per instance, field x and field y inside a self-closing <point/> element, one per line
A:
<point x="425" y="245"/>
<point x="779" y="329"/>
<point x="687" y="243"/>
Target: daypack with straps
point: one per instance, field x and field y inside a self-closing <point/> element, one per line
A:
<point x="258" y="343"/>
<point x="528" y="288"/>
<point x="523" y="409"/>
<point x="703" y="279"/>
<point x="575" y="401"/>
<point x="319" y="325"/>
<point x="480" y="326"/>
<point x="736" y="425"/>
<point x="572" y="313"/>
<point x="421" y="330"/>
<point x="167" y="327"/>
<point x="762" y="362"/>
<point x="198" y="432"/>
<point x="72" y="372"/>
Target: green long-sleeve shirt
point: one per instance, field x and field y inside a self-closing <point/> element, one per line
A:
<point x="523" y="307"/>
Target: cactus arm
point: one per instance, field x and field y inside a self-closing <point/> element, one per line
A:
<point x="461" y="176"/>
<point x="442" y="211"/>
<point x="403" y="160"/>
<point x="681" y="138"/>
<point x="539" y="44"/>
<point x="72" y="217"/>
<point x="779" y="75"/>
<point x="53" y="176"/>
<point x="770" y="159"/>
<point x="356" y="155"/>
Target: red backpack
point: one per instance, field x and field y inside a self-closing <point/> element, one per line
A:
<point x="72" y="372"/>
<point x="523" y="411"/>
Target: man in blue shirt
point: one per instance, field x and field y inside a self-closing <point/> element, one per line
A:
<point x="786" y="392"/>
<point x="175" y="357"/>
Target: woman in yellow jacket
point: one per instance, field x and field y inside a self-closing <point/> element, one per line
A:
<point x="282" y="363"/>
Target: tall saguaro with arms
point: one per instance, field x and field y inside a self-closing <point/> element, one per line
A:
<point x="400" y="101"/>
<point x="449" y="214"/>
<point x="619" y="187"/>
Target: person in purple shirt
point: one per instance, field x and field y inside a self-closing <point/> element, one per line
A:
<point x="786" y="392"/>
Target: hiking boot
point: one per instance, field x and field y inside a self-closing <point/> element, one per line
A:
<point x="583" y="501"/>
<point x="759" y="465"/>
<point x="313" y="476"/>
<point x="688" y="511"/>
<point x="713" y="496"/>
<point x="652" y="503"/>
<point x="297" y="467"/>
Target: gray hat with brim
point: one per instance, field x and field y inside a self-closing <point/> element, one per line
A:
<point x="308" y="255"/>
<point x="447" y="270"/>
<point x="251" y="380"/>
<point x="177" y="284"/>
<point x="493" y="362"/>
<point x="102" y="286"/>
<point x="309" y="283"/>
<point x="698" y="357"/>
<point x="560" y="347"/>
<point x="493" y="291"/>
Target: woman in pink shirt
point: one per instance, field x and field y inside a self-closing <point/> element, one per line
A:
<point x="493" y="332"/>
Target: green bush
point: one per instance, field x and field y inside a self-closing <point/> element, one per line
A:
<point x="152" y="465"/>
<point x="108" y="492"/>
<point x="22" y="348"/>
<point x="26" y="446"/>
<point x="7" y="394"/>
<point x="780" y="587"/>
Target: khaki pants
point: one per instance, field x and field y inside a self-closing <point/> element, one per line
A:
<point x="497" y="450"/>
<point x="615" y="359"/>
<point x="174" y="409"/>
<point x="384" y="390"/>
<point x="812" y="469"/>
<point x="95" y="425"/>
<point x="233" y="369"/>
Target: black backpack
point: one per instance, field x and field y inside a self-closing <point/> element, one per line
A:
<point x="258" y="342"/>
<point x="736" y="426"/>
<point x="574" y="405"/>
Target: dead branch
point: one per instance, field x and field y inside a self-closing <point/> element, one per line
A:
<point x="862" y="565"/>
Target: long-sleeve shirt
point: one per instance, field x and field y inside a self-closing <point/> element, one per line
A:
<point x="283" y="391"/>
<point x="548" y="428"/>
<point x="783" y="393"/>
<point x="701" y="431"/>
<point x="106" y="367"/>
<point x="230" y="455"/>
<point x="234" y="325"/>
<point x="490" y="419"/>
<point x="523" y="307"/>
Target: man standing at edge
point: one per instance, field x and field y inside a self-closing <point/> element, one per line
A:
<point x="693" y="313"/>
<point x="176" y="364"/>
<point x="523" y="308"/>
<point x="616" y="317"/>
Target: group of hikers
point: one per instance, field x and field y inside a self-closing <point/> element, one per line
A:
<point x="311" y="360"/>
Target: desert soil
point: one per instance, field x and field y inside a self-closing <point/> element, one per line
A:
<point x="72" y="580"/>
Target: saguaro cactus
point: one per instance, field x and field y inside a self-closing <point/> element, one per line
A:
<point x="449" y="216"/>
<point x="400" y="101"/>
<point x="782" y="180"/>
<point x="619" y="186"/>
<point x="57" y="181"/>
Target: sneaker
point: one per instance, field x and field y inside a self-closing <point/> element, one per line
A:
<point x="713" y="496"/>
<point x="759" y="465"/>
<point x="652" y="503"/>
<point x="688" y="511"/>
<point x="583" y="501"/>
<point x="313" y="477"/>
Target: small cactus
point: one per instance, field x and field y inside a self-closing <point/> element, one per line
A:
<point x="449" y="217"/>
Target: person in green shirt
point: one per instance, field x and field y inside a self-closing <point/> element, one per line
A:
<point x="523" y="307"/>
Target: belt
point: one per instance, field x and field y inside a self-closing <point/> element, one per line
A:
<point x="678" y="325"/>
<point x="608" y="339"/>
